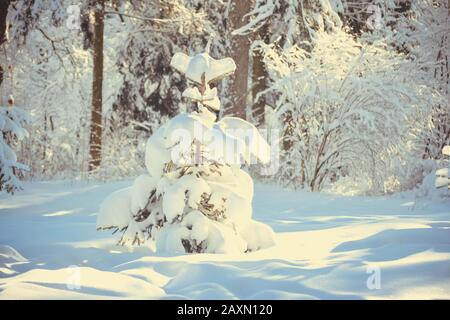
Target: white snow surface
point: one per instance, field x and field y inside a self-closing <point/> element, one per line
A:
<point x="325" y="243"/>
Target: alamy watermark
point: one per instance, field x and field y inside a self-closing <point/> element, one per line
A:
<point x="199" y="145"/>
<point x="73" y="280"/>
<point x="373" y="282"/>
<point x="374" y="22"/>
<point x="73" y="17"/>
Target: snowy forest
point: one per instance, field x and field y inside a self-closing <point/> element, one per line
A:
<point x="352" y="97"/>
<point x="358" y="91"/>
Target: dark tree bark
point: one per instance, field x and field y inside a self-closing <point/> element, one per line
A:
<point x="240" y="47"/>
<point x="95" y="141"/>
<point x="4" y="5"/>
<point x="259" y="76"/>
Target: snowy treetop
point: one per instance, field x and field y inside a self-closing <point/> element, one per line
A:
<point x="203" y="64"/>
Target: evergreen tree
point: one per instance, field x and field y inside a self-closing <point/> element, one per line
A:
<point x="12" y="120"/>
<point x="195" y="197"/>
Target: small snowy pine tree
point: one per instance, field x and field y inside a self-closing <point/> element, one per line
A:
<point x="12" y="120"/>
<point x="195" y="197"/>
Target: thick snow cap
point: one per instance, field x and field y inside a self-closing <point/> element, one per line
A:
<point x="202" y="69"/>
<point x="202" y="63"/>
<point x="446" y="151"/>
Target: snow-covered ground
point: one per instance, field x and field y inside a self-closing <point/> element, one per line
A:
<point x="328" y="247"/>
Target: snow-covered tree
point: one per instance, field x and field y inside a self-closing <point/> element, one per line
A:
<point x="51" y="76"/>
<point x="284" y="23"/>
<point x="428" y="40"/>
<point x="42" y="59"/>
<point x="12" y="120"/>
<point x="443" y="174"/>
<point x="150" y="92"/>
<point x="150" y="89"/>
<point x="346" y="108"/>
<point x="419" y="29"/>
<point x="292" y="22"/>
<point x="194" y="197"/>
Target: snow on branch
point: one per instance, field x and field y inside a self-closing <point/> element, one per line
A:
<point x="12" y="120"/>
<point x="261" y="13"/>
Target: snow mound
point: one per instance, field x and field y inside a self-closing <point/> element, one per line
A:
<point x="429" y="188"/>
<point x="115" y="210"/>
<point x="78" y="283"/>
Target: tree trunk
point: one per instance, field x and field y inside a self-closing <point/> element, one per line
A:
<point x="240" y="47"/>
<point x="3" y="13"/>
<point x="259" y="76"/>
<point x="95" y="140"/>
